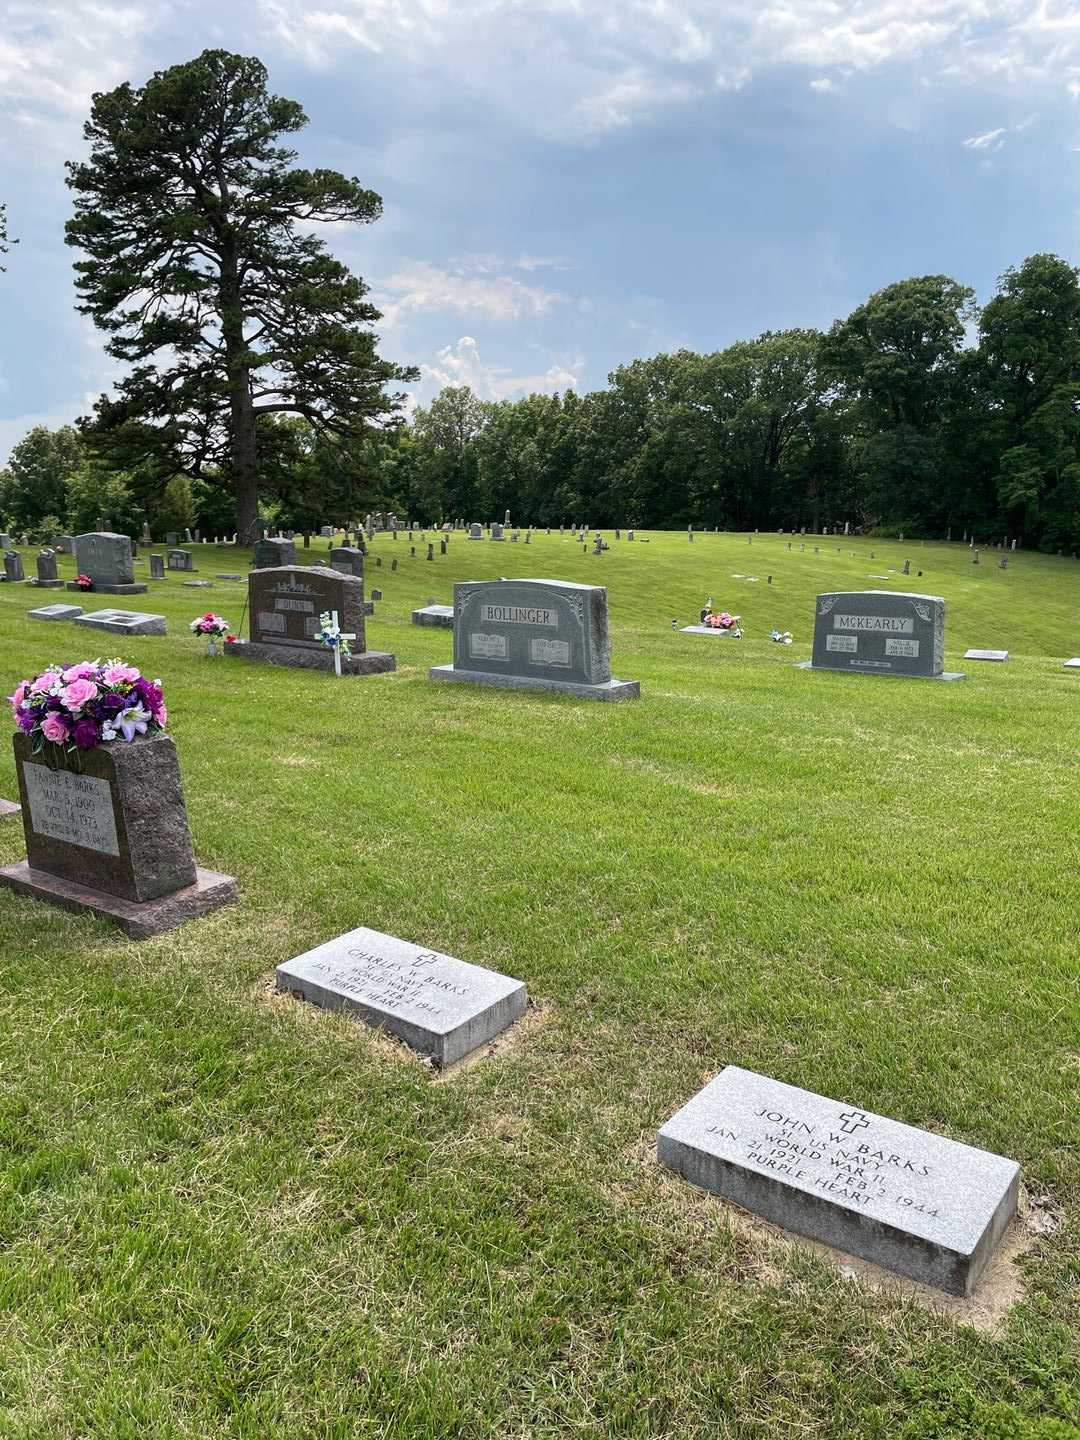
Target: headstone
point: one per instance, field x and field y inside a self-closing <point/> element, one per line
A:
<point x="112" y="837"/>
<point x="907" y="567"/>
<point x="441" y="616"/>
<point x="1003" y="563"/>
<point x="107" y="559"/>
<point x="13" y="566"/>
<point x="67" y="544"/>
<point x="5" y="541"/>
<point x="181" y="560"/>
<point x="443" y="1007"/>
<point x="172" y="537"/>
<point x="999" y="655"/>
<point x="145" y="537"/>
<point x="187" y="535"/>
<point x="270" y="554"/>
<point x="348" y="560"/>
<point x="431" y="550"/>
<point x="47" y="577"/>
<point x="1013" y="546"/>
<point x="284" y="606"/>
<point x="157" y="567"/>
<point x="327" y="532"/>
<point x="506" y="518"/>
<point x="123" y="622"/>
<point x="376" y="594"/>
<point x="909" y="1200"/>
<point x="534" y="634"/>
<point x="393" y="564"/>
<point x="881" y="632"/>
<point x="55" y="612"/>
<point x="497" y="532"/>
<point x="975" y="557"/>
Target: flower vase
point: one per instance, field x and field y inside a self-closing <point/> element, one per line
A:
<point x="211" y="647"/>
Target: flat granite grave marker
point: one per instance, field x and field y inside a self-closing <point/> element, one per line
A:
<point x="903" y="1198"/>
<point x="441" y="616"/>
<point x="999" y="655"/>
<point x="123" y="622"/>
<point x="107" y="559"/>
<point x="55" y="612"/>
<point x="285" y="603"/>
<point x="881" y="632"/>
<point x="1073" y="664"/>
<point x="8" y="811"/>
<point x="112" y="837"/>
<point x="534" y="634"/>
<point x="443" y="1007"/>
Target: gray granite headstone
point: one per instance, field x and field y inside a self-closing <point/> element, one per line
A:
<point x="881" y="632"/>
<point x="497" y="532"/>
<point x="443" y="1007"/>
<point x="157" y="567"/>
<point x="534" y="634"/>
<point x="999" y="655"/>
<point x="181" y="560"/>
<point x="271" y="553"/>
<point x="476" y="531"/>
<point x="13" y="566"/>
<point x="55" y="612"/>
<point x="123" y="622"/>
<point x="47" y="576"/>
<point x="107" y="559"/>
<point x="348" y="560"/>
<point x="909" y="1200"/>
<point x="172" y="537"/>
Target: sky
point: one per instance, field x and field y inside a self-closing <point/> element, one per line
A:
<point x="571" y="184"/>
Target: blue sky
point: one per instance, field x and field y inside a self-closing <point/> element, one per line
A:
<point x="570" y="184"/>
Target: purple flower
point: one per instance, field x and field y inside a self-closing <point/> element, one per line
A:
<point x="26" y="720"/>
<point x="149" y="693"/>
<point x="86" y="735"/>
<point x="112" y="704"/>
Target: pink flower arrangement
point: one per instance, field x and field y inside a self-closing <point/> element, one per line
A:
<point x="214" y="627"/>
<point x="84" y="582"/>
<point x="723" y="621"/>
<point x="78" y="707"/>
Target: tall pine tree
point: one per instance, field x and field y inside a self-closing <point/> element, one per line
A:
<point x="202" y="269"/>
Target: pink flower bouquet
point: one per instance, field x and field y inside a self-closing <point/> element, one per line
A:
<point x="77" y="707"/>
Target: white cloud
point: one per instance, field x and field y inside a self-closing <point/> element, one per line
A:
<point x="992" y="140"/>
<point x="577" y="70"/>
<point x="462" y="364"/>
<point x="419" y="285"/>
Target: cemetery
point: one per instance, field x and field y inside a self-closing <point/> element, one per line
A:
<point x="600" y="968"/>
<point x="587" y="982"/>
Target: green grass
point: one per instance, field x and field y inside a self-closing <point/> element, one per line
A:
<point x="224" y="1214"/>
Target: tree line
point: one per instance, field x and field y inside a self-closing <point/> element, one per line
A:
<point x="254" y="387"/>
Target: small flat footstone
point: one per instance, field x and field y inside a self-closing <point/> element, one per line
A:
<point x="441" y="616"/>
<point x="55" y="612"/>
<point x="902" y="1198"/>
<point x="124" y="622"/>
<point x="228" y="577"/>
<point x="706" y="630"/>
<point x="443" y="1007"/>
<point x="1073" y="664"/>
<point x="198" y="584"/>
<point x="986" y="655"/>
<point x="8" y="810"/>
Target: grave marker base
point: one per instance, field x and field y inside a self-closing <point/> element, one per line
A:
<point x="138" y="920"/>
<point x="371" y="662"/>
<point x="124" y="622"/>
<point x="999" y="655"/>
<point x="8" y="810"/>
<point x="49" y="584"/>
<point x="111" y="589"/>
<point x="612" y="690"/>
<point x="884" y="674"/>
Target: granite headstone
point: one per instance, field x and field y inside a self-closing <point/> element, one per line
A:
<point x="881" y="632"/>
<point x="284" y="605"/>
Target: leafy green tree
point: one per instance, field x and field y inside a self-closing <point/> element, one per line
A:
<point x="39" y="469"/>
<point x="202" y="269"/>
<point x="448" y="477"/>
<point x="5" y="242"/>
<point x="177" y="508"/>
<point x="96" y="494"/>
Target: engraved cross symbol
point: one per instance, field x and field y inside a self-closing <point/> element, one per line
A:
<point x="853" y="1121"/>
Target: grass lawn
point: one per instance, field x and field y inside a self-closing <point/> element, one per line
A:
<point x="228" y="1214"/>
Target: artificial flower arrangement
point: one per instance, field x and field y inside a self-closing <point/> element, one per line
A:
<point x="84" y="582"/>
<point x="78" y="707"/>
<point x="214" y="627"/>
<point x="329" y="633"/>
<point x="723" y="621"/>
<point x="780" y="637"/>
